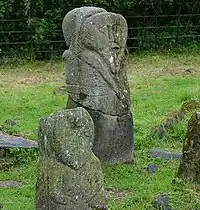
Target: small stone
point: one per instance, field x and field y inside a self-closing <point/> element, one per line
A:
<point x="10" y="184"/>
<point x="160" y="154"/>
<point x="16" y="142"/>
<point x="151" y="169"/>
<point x="162" y="202"/>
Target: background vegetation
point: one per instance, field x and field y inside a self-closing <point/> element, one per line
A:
<point x="33" y="27"/>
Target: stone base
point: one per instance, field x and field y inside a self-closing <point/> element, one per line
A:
<point x="113" y="142"/>
<point x="61" y="188"/>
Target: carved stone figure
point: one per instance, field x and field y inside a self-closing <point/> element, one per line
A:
<point x="96" y="78"/>
<point x="190" y="163"/>
<point x="69" y="174"/>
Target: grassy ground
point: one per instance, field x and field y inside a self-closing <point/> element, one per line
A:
<point x="159" y="84"/>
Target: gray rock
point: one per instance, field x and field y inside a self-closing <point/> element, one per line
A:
<point x="190" y="162"/>
<point x="157" y="153"/>
<point x="96" y="77"/>
<point x="151" y="169"/>
<point x="17" y="142"/>
<point x="10" y="183"/>
<point x="69" y="174"/>
<point x="162" y="202"/>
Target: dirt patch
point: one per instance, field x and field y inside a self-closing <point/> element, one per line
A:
<point x="27" y="79"/>
<point x="31" y="74"/>
<point x="176" y="71"/>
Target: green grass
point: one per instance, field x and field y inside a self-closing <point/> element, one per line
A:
<point x="22" y="197"/>
<point x="27" y="106"/>
<point x="159" y="84"/>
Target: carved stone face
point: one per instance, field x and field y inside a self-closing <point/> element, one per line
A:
<point x="117" y="47"/>
<point x="106" y="34"/>
<point x="95" y="29"/>
<point x="94" y="63"/>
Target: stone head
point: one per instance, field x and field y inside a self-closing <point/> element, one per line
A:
<point x="99" y="31"/>
<point x="67" y="136"/>
<point x="73" y="21"/>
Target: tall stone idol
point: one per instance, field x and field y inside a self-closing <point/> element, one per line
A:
<point x="69" y="174"/>
<point x="96" y="78"/>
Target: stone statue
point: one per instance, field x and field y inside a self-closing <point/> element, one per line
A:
<point x="190" y="162"/>
<point x="69" y="174"/>
<point x="96" y="78"/>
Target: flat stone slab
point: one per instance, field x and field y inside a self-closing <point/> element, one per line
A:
<point x="157" y="153"/>
<point x="10" y="183"/>
<point x="151" y="169"/>
<point x="16" y="142"/>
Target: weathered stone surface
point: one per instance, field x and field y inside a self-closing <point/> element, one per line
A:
<point x="69" y="174"/>
<point x="14" y="141"/>
<point x="96" y="77"/>
<point x="113" y="137"/>
<point x="160" y="154"/>
<point x="190" y="162"/>
<point x="95" y="73"/>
